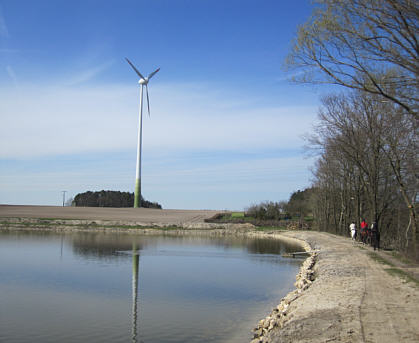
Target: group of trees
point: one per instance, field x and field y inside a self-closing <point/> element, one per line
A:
<point x="367" y="137"/>
<point x="367" y="167"/>
<point x="298" y="206"/>
<point x="110" y="199"/>
<point x="268" y="210"/>
<point x="300" y="203"/>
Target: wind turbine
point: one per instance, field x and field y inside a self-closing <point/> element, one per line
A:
<point x="144" y="83"/>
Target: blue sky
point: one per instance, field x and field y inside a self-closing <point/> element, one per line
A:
<point x="226" y="126"/>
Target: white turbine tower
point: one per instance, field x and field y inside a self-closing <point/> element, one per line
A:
<point x="144" y="83"/>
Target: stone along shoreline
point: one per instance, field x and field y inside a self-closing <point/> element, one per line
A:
<point x="345" y="296"/>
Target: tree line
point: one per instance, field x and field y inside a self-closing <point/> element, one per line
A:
<point x="366" y="139"/>
<point x="297" y="207"/>
<point x="110" y="199"/>
<point x="367" y="167"/>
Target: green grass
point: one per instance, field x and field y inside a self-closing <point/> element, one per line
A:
<point x="400" y="257"/>
<point x="393" y="270"/>
<point x="402" y="274"/>
<point x="379" y="259"/>
<point x="234" y="216"/>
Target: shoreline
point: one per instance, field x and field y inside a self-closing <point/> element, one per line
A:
<point x="304" y="279"/>
<point x="342" y="293"/>
<point x="273" y="320"/>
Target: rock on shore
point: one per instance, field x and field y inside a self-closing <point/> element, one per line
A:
<point x="278" y="316"/>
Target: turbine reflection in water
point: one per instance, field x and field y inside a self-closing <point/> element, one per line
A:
<point x="89" y="289"/>
<point x="135" y="266"/>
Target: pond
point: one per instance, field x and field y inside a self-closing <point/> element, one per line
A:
<point x="117" y="287"/>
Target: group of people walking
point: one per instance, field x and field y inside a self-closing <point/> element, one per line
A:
<point x="369" y="234"/>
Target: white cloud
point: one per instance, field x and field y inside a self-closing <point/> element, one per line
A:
<point x="42" y="121"/>
<point x="87" y="74"/>
<point x="48" y="121"/>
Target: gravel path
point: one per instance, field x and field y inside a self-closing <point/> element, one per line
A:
<point x="353" y="299"/>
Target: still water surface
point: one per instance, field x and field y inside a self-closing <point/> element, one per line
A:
<point x="106" y="287"/>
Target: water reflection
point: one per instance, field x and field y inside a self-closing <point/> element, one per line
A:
<point x="110" y="246"/>
<point x="135" y="270"/>
<point x="197" y="288"/>
<point x="116" y="245"/>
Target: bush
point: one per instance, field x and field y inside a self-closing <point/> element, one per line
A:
<point x="267" y="210"/>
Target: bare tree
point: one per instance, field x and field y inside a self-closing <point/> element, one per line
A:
<point x="400" y="148"/>
<point x="369" y="45"/>
<point x="69" y="201"/>
<point x="367" y="164"/>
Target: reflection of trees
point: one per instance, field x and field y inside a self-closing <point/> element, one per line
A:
<point x="271" y="246"/>
<point x="111" y="245"/>
<point x="104" y="245"/>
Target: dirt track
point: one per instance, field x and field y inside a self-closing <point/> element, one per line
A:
<point x="353" y="299"/>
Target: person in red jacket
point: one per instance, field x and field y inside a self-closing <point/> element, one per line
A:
<point x="364" y="227"/>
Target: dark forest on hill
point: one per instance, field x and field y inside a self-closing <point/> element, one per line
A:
<point x="110" y="199"/>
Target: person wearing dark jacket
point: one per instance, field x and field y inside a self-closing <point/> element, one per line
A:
<point x="375" y="236"/>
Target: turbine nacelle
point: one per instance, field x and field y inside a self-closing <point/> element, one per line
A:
<point x="143" y="82"/>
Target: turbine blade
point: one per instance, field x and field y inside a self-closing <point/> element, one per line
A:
<point x="135" y="69"/>
<point x="152" y="74"/>
<point x="148" y="100"/>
